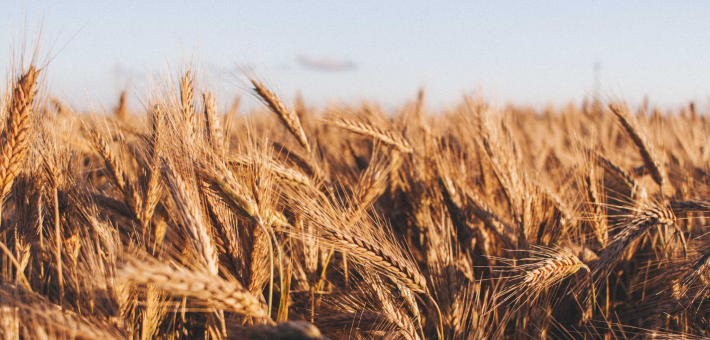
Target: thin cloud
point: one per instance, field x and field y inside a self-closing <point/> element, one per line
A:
<point x="326" y="64"/>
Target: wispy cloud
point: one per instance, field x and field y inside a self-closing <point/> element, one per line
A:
<point x="326" y="64"/>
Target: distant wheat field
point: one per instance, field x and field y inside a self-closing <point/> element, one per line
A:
<point x="183" y="220"/>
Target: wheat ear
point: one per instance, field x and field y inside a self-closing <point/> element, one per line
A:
<point x="193" y="219"/>
<point x="42" y="317"/>
<point x="187" y="92"/>
<point x="115" y="168"/>
<point x="391" y="312"/>
<point x="287" y="116"/>
<point x="656" y="214"/>
<point x="378" y="257"/>
<point x="385" y="136"/>
<point x="697" y="269"/>
<point x="15" y="141"/>
<point x="212" y="125"/>
<point x="290" y="176"/>
<point x="61" y="109"/>
<point x="596" y="207"/>
<point x="640" y="142"/>
<point x="614" y="169"/>
<point x="210" y="289"/>
<point x="153" y="190"/>
<point x="121" y="109"/>
<point x="222" y="183"/>
<point x="553" y="269"/>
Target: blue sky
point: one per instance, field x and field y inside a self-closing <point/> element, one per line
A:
<point x="525" y="52"/>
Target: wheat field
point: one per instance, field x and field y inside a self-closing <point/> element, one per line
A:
<point x="185" y="220"/>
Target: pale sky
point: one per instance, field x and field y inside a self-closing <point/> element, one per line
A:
<point x="524" y="52"/>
